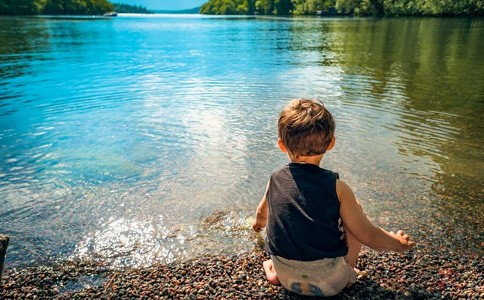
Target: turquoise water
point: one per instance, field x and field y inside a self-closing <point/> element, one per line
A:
<point x="136" y="140"/>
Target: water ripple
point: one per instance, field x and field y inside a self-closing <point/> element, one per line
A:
<point x="143" y="139"/>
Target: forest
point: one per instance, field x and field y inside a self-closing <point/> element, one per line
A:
<point x="262" y="7"/>
<point x="132" y="9"/>
<point x="351" y="7"/>
<point x="55" y="7"/>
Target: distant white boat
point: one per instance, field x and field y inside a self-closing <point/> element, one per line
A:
<point x="111" y="14"/>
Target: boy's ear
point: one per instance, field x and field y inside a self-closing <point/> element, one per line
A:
<point x="281" y="146"/>
<point x="331" y="145"/>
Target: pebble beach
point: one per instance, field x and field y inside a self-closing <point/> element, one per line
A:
<point x="383" y="275"/>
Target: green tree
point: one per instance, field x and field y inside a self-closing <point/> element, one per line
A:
<point x="310" y="7"/>
<point x="21" y="7"/>
<point x="264" y="7"/>
<point x="77" y="7"/>
<point x="227" y="7"/>
<point x="55" y="7"/>
<point x="360" y="7"/>
<point x="125" y="8"/>
<point x="411" y="7"/>
<point x="356" y="7"/>
<point x="282" y="7"/>
<point x="449" y="7"/>
<point x="250" y="6"/>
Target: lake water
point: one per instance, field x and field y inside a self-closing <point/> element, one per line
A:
<point x="136" y="140"/>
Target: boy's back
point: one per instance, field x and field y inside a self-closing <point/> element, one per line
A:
<point x="304" y="206"/>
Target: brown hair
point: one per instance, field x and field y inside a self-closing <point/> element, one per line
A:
<point x="306" y="127"/>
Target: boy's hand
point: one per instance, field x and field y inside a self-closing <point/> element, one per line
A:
<point x="404" y="239"/>
<point x="261" y="213"/>
<point x="258" y="225"/>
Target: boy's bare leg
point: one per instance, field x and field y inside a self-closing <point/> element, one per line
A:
<point x="354" y="248"/>
<point x="270" y="272"/>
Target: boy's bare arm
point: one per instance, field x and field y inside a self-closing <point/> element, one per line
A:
<point x="261" y="213"/>
<point x="364" y="231"/>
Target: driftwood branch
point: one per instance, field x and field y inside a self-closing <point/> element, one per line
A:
<point x="3" y="251"/>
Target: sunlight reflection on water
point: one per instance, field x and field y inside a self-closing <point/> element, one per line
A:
<point x="142" y="140"/>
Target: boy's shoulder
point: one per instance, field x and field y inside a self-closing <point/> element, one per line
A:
<point x="292" y="168"/>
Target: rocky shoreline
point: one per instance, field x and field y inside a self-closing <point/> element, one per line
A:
<point x="413" y="275"/>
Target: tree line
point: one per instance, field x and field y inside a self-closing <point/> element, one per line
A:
<point x="132" y="9"/>
<point x="352" y="7"/>
<point x="55" y="7"/>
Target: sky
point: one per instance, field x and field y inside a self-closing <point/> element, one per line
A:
<point x="163" y="4"/>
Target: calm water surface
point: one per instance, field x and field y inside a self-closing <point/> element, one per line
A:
<point x="136" y="140"/>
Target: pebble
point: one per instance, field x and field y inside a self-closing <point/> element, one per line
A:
<point x="384" y="275"/>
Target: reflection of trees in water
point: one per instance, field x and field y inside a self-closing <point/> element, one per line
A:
<point x="27" y="40"/>
<point x="431" y="71"/>
<point x="22" y="40"/>
<point x="35" y="46"/>
<point x="316" y="40"/>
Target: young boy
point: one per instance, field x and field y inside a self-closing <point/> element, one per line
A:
<point x="315" y="226"/>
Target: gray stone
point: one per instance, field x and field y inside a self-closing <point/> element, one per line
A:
<point x="3" y="251"/>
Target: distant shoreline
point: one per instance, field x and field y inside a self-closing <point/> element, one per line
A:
<point x="288" y="17"/>
<point x="195" y="10"/>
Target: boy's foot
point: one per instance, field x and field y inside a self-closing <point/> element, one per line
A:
<point x="350" y="284"/>
<point x="270" y="272"/>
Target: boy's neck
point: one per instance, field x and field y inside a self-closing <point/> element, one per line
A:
<point x="313" y="160"/>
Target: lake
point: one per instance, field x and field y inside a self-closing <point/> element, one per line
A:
<point x="143" y="139"/>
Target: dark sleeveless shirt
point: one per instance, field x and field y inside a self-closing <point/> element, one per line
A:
<point x="303" y="215"/>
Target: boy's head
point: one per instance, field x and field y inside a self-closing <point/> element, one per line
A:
<point x="306" y="127"/>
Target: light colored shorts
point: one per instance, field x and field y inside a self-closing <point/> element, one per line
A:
<point x="323" y="278"/>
